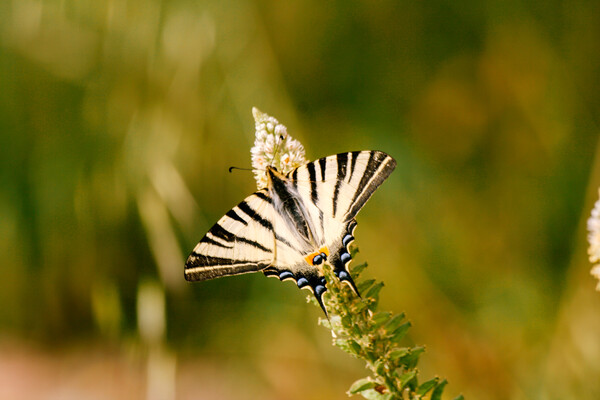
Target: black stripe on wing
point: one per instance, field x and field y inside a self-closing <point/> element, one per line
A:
<point x="233" y="215"/>
<point x="217" y="254"/>
<point x="206" y="239"/>
<point x="222" y="233"/>
<point x="294" y="176"/>
<point x="200" y="267"/>
<point x="322" y="166"/>
<point x="245" y="207"/>
<point x="253" y="243"/>
<point x="201" y="260"/>
<point x="354" y="175"/>
<point x="379" y="167"/>
<point x="354" y="156"/>
<point x="342" y="163"/>
<point x="312" y="177"/>
<point x="263" y="196"/>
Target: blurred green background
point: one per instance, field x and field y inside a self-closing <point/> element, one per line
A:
<point x="119" y="119"/>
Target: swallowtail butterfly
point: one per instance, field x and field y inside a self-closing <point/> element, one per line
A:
<point x="300" y="220"/>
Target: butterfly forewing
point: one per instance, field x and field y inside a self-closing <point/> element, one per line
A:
<point x="341" y="184"/>
<point x="241" y="241"/>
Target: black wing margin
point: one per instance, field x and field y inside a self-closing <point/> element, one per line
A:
<point x="378" y="168"/>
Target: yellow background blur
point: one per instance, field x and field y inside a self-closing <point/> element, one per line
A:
<point x="119" y="119"/>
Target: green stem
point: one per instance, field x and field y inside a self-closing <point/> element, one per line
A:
<point x="374" y="337"/>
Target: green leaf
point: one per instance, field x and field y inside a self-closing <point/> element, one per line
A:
<point x="360" y="385"/>
<point x="397" y="353"/>
<point x="374" y="291"/>
<point x="400" y="332"/>
<point x="381" y="318"/>
<point x="356" y="348"/>
<point x="354" y="251"/>
<point x="357" y="269"/>
<point x="349" y="346"/>
<point x="459" y="397"/>
<point x="371" y="356"/>
<point x="364" y="285"/>
<point x="437" y="392"/>
<point x="347" y="321"/>
<point x="380" y="367"/>
<point x="344" y="345"/>
<point x="410" y="360"/>
<point x="360" y="306"/>
<point x="406" y="378"/>
<point x="427" y="386"/>
<point x="394" y="322"/>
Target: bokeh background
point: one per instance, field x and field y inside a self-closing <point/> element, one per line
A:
<point x="119" y="119"/>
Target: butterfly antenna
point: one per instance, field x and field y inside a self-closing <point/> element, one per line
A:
<point x="241" y="169"/>
<point x="277" y="145"/>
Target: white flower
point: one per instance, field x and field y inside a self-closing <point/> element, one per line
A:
<point x="273" y="147"/>
<point x="596" y="274"/>
<point x="593" y="226"/>
<point x="280" y="130"/>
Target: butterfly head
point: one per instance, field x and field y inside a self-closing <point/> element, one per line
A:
<point x="272" y="172"/>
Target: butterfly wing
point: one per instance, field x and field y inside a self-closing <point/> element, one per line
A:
<point x="254" y="236"/>
<point x="241" y="241"/>
<point x="341" y="184"/>
<point x="333" y="190"/>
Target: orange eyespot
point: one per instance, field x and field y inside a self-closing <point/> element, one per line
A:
<point x="318" y="256"/>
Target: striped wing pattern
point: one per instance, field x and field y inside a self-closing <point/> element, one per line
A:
<point x="254" y="235"/>
<point x="335" y="189"/>
<point x="241" y="241"/>
<point x="341" y="184"/>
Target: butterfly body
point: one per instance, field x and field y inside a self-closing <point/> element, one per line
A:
<point x="294" y="225"/>
<point x="295" y="213"/>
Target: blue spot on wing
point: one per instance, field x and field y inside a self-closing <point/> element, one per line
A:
<point x="286" y="274"/>
<point x="302" y="282"/>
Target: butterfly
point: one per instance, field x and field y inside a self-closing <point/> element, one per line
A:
<point x="299" y="221"/>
